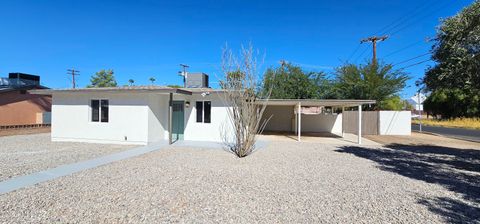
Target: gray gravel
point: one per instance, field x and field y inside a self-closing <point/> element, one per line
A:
<point x="286" y="182"/>
<point x="25" y="154"/>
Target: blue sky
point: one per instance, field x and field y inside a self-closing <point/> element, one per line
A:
<point x="145" y="38"/>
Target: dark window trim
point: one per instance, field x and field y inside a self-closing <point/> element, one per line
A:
<point x="200" y="107"/>
<point x="208" y="119"/>
<point x="199" y="111"/>
<point x="100" y="109"/>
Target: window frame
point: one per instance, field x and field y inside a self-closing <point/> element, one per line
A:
<point x="203" y="112"/>
<point x="99" y="110"/>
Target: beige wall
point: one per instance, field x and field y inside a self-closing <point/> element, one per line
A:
<point x="281" y="118"/>
<point x="21" y="109"/>
<point x="322" y="123"/>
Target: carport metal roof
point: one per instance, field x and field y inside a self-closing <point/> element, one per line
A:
<point x="316" y="102"/>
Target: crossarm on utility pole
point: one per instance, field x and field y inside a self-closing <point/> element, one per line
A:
<point x="374" y="40"/>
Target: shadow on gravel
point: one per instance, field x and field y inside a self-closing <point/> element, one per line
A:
<point x="455" y="169"/>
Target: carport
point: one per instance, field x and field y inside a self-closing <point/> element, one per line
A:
<point x="287" y="114"/>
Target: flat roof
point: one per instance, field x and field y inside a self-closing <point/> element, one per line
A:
<point x="150" y="88"/>
<point x="157" y="89"/>
<point x="316" y="102"/>
<point x="190" y="91"/>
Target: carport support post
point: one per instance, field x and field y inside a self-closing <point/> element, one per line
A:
<point x="343" y="129"/>
<point x="170" y="112"/>
<point x="359" y="124"/>
<point x="299" y="126"/>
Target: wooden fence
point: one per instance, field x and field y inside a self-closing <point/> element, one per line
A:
<point x="370" y="122"/>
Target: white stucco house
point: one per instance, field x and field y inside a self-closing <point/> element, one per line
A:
<point x="146" y="114"/>
<point x="137" y="114"/>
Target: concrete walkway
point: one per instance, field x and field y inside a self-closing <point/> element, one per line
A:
<point x="50" y="174"/>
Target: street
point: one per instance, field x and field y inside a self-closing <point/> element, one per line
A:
<point x="460" y="133"/>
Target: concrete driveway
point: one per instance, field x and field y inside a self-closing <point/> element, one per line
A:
<point x="317" y="137"/>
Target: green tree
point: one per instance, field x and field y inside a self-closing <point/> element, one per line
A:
<point x="103" y="78"/>
<point x="451" y="103"/>
<point x="130" y="82"/>
<point x="291" y="82"/>
<point x="392" y="103"/>
<point x="375" y="81"/>
<point x="152" y="79"/>
<point x="454" y="82"/>
<point x="175" y="86"/>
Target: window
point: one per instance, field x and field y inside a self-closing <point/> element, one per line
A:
<point x="204" y="109"/>
<point x="99" y="110"/>
<point x="104" y="111"/>
<point x="199" y="106"/>
<point x="207" y="107"/>
<point x="95" y="111"/>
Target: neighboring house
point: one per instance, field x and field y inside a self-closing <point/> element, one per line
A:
<point x="145" y="114"/>
<point x="18" y="106"/>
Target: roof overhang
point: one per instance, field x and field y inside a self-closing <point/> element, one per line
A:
<point x="315" y="102"/>
<point x="132" y="89"/>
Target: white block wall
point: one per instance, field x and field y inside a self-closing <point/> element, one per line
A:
<point x="322" y="123"/>
<point x="157" y="117"/>
<point x="395" y="122"/>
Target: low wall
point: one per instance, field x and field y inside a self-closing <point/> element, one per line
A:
<point x="378" y="122"/>
<point x="395" y="123"/>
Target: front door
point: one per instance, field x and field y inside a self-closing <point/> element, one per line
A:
<point x="178" y="121"/>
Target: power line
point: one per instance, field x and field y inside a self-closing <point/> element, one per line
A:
<point x="404" y="48"/>
<point x="363" y="52"/>
<point x="408" y="66"/>
<point x="411" y="59"/>
<point x="395" y="23"/>
<point x="403" y="18"/>
<point x="355" y="51"/>
<point x="447" y="3"/>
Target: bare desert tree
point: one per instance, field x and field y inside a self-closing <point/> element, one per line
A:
<point x="239" y="82"/>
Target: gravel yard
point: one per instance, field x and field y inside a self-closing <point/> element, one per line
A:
<point x="25" y="154"/>
<point x="287" y="182"/>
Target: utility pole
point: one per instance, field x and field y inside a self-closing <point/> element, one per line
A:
<point x="184" y="74"/>
<point x="374" y="40"/>
<point x="74" y="73"/>
<point x="283" y="63"/>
